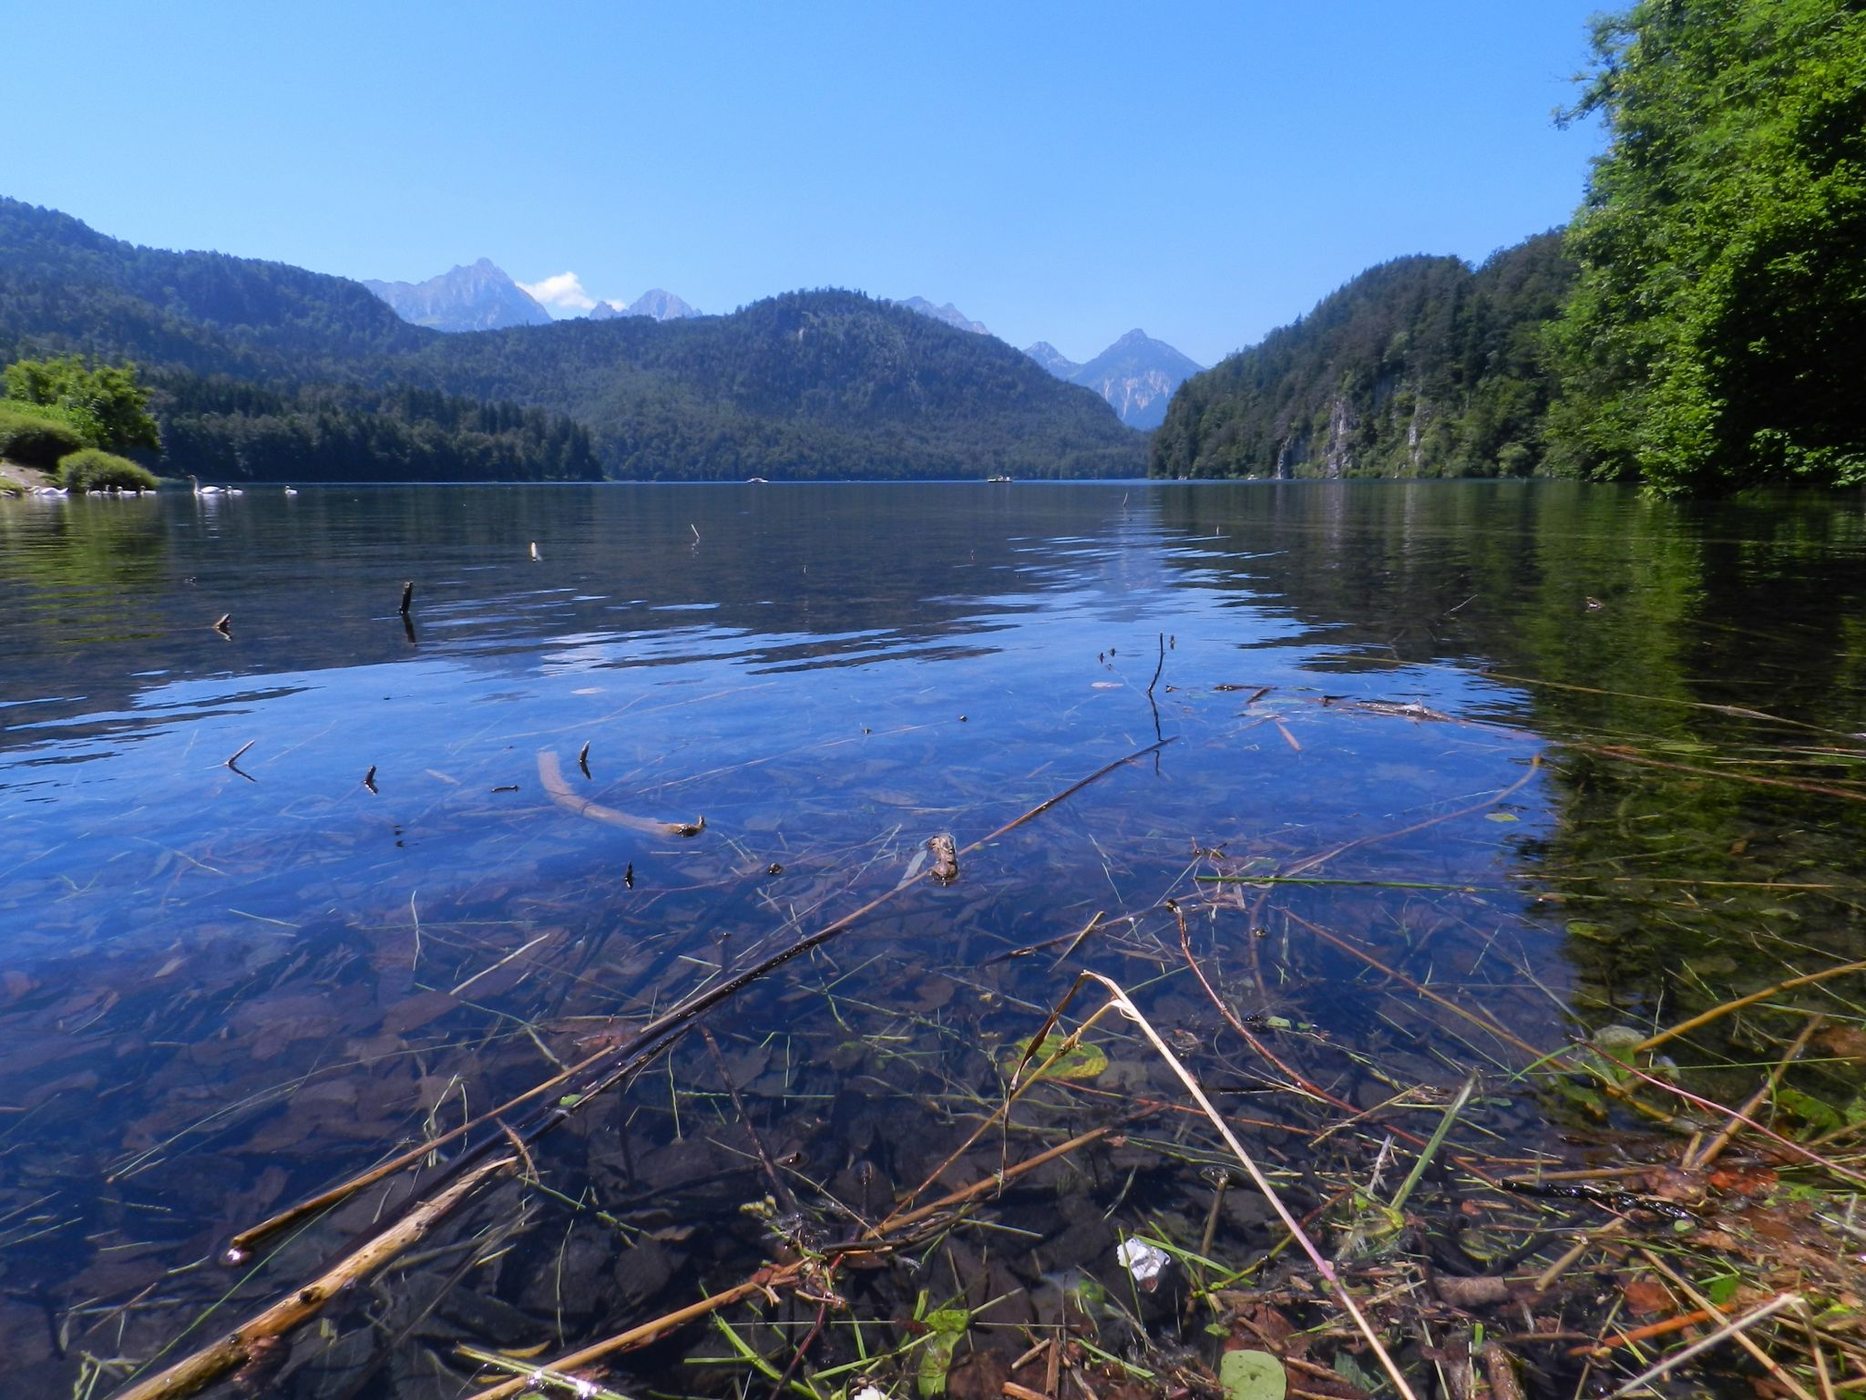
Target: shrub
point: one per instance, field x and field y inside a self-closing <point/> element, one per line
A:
<point x="105" y="404"/>
<point x="35" y="437"/>
<point x="93" y="469"/>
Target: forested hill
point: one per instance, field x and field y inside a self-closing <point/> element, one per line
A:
<point x="1422" y="366"/>
<point x="64" y="286"/>
<point x="812" y="384"/>
<point x="808" y="384"/>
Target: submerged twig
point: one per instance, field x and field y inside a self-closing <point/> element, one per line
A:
<point x="1652" y="1042"/>
<point x="1626" y="755"/>
<point x="1535" y="766"/>
<point x="1119" y="1000"/>
<point x="1729" y="1329"/>
<point x="1788" y="1144"/>
<point x="621" y="1060"/>
<point x="1713" y="1149"/>
<point x="302" y="1304"/>
<point x="766" y="1280"/>
<point x="551" y="775"/>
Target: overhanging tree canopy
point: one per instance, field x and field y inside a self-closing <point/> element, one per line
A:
<point x="1717" y="336"/>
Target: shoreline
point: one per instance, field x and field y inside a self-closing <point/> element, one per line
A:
<point x="28" y="477"/>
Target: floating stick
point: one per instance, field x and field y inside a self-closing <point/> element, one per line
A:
<point x="408" y="596"/>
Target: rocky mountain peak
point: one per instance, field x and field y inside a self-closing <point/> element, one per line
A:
<point x="479" y="297"/>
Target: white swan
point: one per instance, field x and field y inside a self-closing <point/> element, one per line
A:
<point x="201" y="490"/>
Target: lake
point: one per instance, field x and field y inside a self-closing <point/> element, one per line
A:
<point x="1392" y="784"/>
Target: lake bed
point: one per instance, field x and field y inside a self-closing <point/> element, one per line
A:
<point x="1392" y="785"/>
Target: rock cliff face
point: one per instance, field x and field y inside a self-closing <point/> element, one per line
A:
<point x="476" y="298"/>
<point x="1338" y="447"/>
<point x="654" y="303"/>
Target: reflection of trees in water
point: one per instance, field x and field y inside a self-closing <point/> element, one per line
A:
<point x="772" y="575"/>
<point x="1632" y="626"/>
<point x="81" y="570"/>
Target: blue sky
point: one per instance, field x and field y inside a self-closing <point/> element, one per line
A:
<point x="1204" y="170"/>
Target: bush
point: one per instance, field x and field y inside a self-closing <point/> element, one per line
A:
<point x="92" y="469"/>
<point x="34" y="437"/>
<point x="105" y="404"/>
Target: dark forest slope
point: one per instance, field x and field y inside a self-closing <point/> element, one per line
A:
<point x="1421" y="366"/>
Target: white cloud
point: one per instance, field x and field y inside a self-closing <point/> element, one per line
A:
<point x="562" y="293"/>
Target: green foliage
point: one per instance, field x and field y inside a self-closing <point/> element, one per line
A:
<point x="1717" y="335"/>
<point x="35" y="436"/>
<point x="1418" y="367"/>
<point x="93" y="469"/>
<point x="105" y="404"/>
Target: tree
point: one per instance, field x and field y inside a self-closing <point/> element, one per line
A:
<point x="106" y="405"/>
<point x="1716" y="337"/>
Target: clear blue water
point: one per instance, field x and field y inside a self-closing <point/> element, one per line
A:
<point x="234" y="972"/>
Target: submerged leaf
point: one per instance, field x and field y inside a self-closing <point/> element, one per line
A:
<point x="946" y="1326"/>
<point x="1082" y="1062"/>
<point x="1817" y="1114"/>
<point x="1252" y="1375"/>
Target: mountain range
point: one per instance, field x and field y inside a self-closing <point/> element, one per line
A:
<point x="948" y="313"/>
<point x="484" y="298"/>
<point x="1135" y="376"/>
<point x="654" y="303"/>
<point x="264" y="359"/>
<point x="476" y="298"/>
